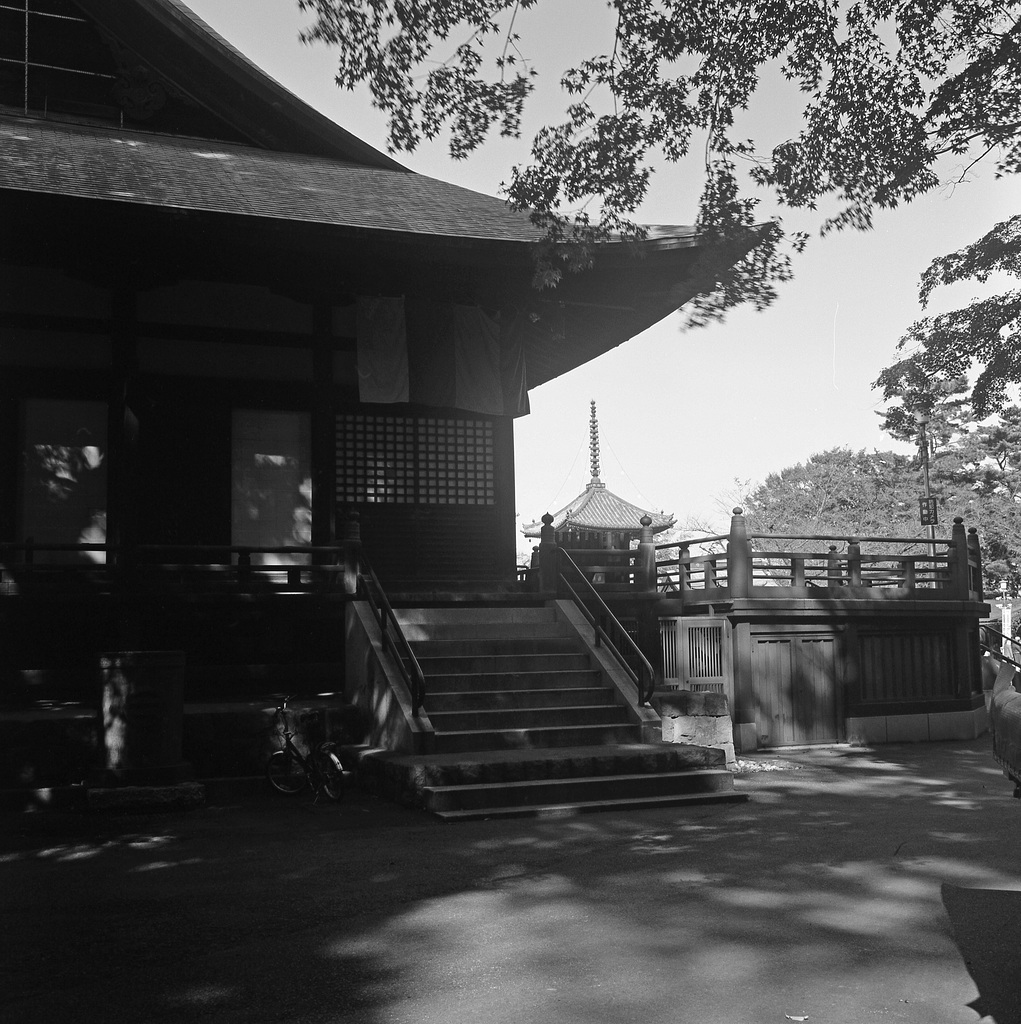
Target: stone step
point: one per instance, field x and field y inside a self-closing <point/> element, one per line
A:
<point x="419" y="631"/>
<point x="474" y="615"/>
<point x="503" y="663"/>
<point x="544" y="792"/>
<point x="549" y="736"/>
<point x="462" y="682"/>
<point x="592" y="806"/>
<point x="487" y="646"/>
<point x="491" y="700"/>
<point x="506" y="719"/>
<point x="414" y="771"/>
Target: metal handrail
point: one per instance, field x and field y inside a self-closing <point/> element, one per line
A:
<point x="997" y="652"/>
<point x="602" y="638"/>
<point x="393" y="636"/>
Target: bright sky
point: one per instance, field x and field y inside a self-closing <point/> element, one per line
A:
<point x="683" y="415"/>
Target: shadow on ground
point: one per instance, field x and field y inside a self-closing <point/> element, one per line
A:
<point x="823" y="897"/>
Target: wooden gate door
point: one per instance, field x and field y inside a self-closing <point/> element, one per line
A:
<point x="796" y="687"/>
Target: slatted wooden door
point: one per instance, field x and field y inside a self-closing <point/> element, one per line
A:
<point x="796" y="686"/>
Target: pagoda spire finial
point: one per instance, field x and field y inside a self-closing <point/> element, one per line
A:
<point x="593" y="444"/>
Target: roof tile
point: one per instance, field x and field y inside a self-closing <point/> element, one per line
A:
<point x="92" y="162"/>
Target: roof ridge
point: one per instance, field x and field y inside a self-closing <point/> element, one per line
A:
<point x="271" y="111"/>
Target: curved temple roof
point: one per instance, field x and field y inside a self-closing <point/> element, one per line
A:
<point x="338" y="205"/>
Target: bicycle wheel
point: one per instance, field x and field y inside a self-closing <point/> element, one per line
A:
<point x="285" y="773"/>
<point x="331" y="774"/>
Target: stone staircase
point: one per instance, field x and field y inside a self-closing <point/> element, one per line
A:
<point x="528" y="722"/>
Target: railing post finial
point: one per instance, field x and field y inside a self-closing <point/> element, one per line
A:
<point x="739" y="556"/>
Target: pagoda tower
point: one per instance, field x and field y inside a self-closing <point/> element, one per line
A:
<point x="598" y="518"/>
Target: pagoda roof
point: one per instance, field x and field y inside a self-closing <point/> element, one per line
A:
<point x="599" y="509"/>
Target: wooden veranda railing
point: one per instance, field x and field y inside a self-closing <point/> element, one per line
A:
<point x="740" y="564"/>
<point x="26" y="566"/>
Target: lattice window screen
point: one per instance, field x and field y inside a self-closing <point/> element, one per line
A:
<point x="705" y="651"/>
<point x="420" y="460"/>
<point x="668" y="648"/>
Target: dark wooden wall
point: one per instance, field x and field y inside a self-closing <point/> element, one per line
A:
<point x="173" y="362"/>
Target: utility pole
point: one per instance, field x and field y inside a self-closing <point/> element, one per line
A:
<point x="928" y="507"/>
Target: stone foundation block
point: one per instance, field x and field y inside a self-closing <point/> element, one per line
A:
<point x="701" y="719"/>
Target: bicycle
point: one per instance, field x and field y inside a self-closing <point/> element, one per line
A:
<point x="290" y="771"/>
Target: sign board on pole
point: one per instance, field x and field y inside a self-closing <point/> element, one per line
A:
<point x="927" y="512"/>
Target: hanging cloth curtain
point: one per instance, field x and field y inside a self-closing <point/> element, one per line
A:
<point x="477" y="384"/>
<point x="382" y="350"/>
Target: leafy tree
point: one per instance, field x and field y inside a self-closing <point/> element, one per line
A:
<point x="887" y="88"/>
<point x="838" y="492"/>
<point x="985" y="335"/>
<point x="975" y="473"/>
<point x="978" y="476"/>
<point x="975" y="465"/>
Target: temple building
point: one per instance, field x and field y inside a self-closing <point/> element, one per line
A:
<point x="258" y="384"/>
<point x="227" y="326"/>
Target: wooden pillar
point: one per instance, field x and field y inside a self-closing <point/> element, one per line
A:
<point x="958" y="556"/>
<point x="683" y="566"/>
<point x="648" y="638"/>
<point x="744" y="711"/>
<point x="122" y="429"/>
<point x="324" y="430"/>
<point x="9" y="459"/>
<point x="352" y="546"/>
<point x="833" y="575"/>
<point x="967" y="659"/>
<point x="854" y="563"/>
<point x="646" y="558"/>
<point x="909" y="572"/>
<point x="975" y="563"/>
<point x="122" y="515"/>
<point x="549" y="569"/>
<point x="506" y="522"/>
<point x="739" y="556"/>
